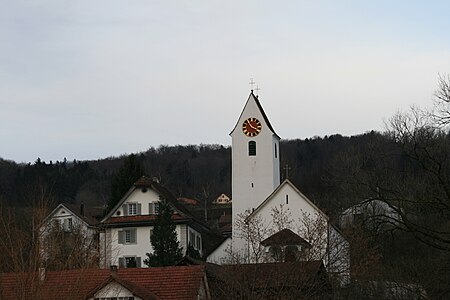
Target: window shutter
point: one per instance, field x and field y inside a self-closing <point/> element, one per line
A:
<point x="121" y="237"/>
<point x="125" y="209"/>
<point x="121" y="262"/>
<point x="156" y="204"/>
<point x="150" y="209"/>
<point x="138" y="262"/>
<point x="139" y="208"/>
<point x="133" y="236"/>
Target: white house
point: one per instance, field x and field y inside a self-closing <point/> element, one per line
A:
<point x="372" y="213"/>
<point x="257" y="194"/>
<point x="128" y="227"/>
<point x="72" y="220"/>
<point x="222" y="199"/>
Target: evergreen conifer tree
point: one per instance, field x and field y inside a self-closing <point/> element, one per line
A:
<point x="166" y="248"/>
<point x="131" y="170"/>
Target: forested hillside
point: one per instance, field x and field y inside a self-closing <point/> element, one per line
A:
<point x="195" y="171"/>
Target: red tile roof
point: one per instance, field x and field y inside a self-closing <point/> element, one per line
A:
<point x="176" y="283"/>
<point x="141" y="218"/>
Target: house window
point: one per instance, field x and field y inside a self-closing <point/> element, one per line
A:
<point x="199" y="242"/>
<point x="67" y="224"/>
<point x="127" y="236"/>
<point x="252" y="148"/>
<point x="153" y="208"/>
<point x="192" y="238"/>
<point x="132" y="209"/>
<point x="151" y="234"/>
<point x="129" y="262"/>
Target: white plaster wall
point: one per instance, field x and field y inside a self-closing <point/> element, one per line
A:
<point x="221" y="255"/>
<point x="140" y="248"/>
<point x="295" y="207"/>
<point x="138" y="196"/>
<point x="338" y="259"/>
<point x="113" y="290"/>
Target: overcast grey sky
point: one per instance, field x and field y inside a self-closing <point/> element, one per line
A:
<point x="90" y="79"/>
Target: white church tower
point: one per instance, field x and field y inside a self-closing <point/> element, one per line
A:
<point x="255" y="159"/>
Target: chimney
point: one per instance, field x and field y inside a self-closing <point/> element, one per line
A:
<point x="82" y="209"/>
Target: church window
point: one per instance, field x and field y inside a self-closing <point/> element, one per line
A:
<point x="252" y="184"/>
<point x="290" y="253"/>
<point x="276" y="151"/>
<point x="287" y="199"/>
<point x="252" y="148"/>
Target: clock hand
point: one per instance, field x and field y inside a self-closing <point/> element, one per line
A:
<point x="250" y="124"/>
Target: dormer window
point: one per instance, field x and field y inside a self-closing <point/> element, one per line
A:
<point x="132" y="209"/>
<point x="153" y="208"/>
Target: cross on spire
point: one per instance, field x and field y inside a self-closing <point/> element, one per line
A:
<point x="252" y="83"/>
<point x="257" y="90"/>
<point x="287" y="169"/>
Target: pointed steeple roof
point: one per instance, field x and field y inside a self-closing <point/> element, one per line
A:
<point x="254" y="98"/>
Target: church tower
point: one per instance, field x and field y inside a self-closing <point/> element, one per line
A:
<point x="255" y="158"/>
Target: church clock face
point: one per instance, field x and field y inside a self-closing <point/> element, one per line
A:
<point x="251" y="127"/>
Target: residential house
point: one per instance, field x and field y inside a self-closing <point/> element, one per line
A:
<point x="128" y="227"/>
<point x="66" y="228"/>
<point x="222" y="199"/>
<point x="372" y="213"/>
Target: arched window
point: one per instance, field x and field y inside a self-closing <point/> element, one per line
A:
<point x="252" y="148"/>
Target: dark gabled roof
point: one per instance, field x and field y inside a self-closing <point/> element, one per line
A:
<point x="180" y="213"/>
<point x="178" y="283"/>
<point x="88" y="216"/>
<point x="266" y="119"/>
<point x="264" y="114"/>
<point x="145" y="182"/>
<point x="283" y="238"/>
